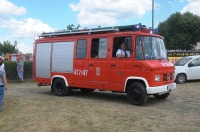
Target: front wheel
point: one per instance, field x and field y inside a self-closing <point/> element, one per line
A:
<point x="181" y="78"/>
<point x="162" y="96"/>
<point x="136" y="94"/>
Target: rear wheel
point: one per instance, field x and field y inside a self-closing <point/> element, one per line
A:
<point x="87" y="90"/>
<point x="60" y="89"/>
<point x="162" y="96"/>
<point x="136" y="94"/>
<point x="181" y="78"/>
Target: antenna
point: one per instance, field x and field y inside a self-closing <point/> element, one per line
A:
<point x="152" y="15"/>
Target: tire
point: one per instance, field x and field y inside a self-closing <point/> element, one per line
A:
<point x="52" y="90"/>
<point x="60" y="89"/>
<point x="136" y="94"/>
<point x="162" y="96"/>
<point x="86" y="90"/>
<point x="181" y="78"/>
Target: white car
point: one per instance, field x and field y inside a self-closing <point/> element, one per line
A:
<point x="187" y="68"/>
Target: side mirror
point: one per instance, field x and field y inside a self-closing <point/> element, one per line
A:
<point x="190" y="65"/>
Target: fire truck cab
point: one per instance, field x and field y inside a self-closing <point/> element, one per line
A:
<point x="87" y="60"/>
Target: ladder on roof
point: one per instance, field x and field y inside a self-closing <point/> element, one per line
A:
<point x="93" y="30"/>
<point x="81" y="31"/>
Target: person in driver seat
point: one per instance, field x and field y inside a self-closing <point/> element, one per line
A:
<point x="122" y="52"/>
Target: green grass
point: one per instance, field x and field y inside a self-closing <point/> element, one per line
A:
<point x="29" y="108"/>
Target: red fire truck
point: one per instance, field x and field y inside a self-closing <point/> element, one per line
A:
<point x="73" y="59"/>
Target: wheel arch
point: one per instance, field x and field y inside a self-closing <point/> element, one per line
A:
<point x="59" y="77"/>
<point x="130" y="80"/>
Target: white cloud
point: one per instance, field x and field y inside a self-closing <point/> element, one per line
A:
<point x="192" y="7"/>
<point x="109" y="12"/>
<point x="7" y="8"/>
<point x="24" y="48"/>
<point x="26" y="27"/>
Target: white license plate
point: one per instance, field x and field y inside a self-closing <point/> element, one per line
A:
<point x="169" y="87"/>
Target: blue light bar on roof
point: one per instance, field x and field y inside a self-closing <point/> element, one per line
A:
<point x="156" y="31"/>
<point x="129" y="27"/>
<point x="138" y="26"/>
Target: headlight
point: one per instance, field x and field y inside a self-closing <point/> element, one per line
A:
<point x="157" y="78"/>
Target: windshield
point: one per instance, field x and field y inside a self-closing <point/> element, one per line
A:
<point x="182" y="61"/>
<point x="150" y="48"/>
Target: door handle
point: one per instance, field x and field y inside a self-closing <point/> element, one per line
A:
<point x="91" y="64"/>
<point x="113" y="65"/>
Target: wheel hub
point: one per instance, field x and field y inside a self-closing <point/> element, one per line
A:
<point x="135" y="94"/>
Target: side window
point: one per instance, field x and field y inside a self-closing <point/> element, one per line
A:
<point x="138" y="49"/>
<point x="99" y="48"/>
<point x="81" y="48"/>
<point x="122" y="47"/>
<point x="195" y="62"/>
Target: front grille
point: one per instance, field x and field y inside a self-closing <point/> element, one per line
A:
<point x="167" y="77"/>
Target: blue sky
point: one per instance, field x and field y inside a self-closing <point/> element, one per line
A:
<point x="21" y="20"/>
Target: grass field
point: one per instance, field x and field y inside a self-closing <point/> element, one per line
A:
<point x="29" y="108"/>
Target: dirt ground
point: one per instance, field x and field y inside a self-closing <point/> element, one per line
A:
<point x="29" y="108"/>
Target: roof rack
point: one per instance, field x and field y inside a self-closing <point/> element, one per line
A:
<point x="93" y="30"/>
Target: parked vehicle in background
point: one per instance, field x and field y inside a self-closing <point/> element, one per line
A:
<point x="187" y="68"/>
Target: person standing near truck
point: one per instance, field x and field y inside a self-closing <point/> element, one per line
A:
<point x="2" y="67"/>
<point x="3" y="83"/>
<point x="20" y="69"/>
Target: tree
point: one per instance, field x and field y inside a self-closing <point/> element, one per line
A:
<point x="7" y="47"/>
<point x="29" y="54"/>
<point x="72" y="27"/>
<point x="181" y="31"/>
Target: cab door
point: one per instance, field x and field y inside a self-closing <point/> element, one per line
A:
<point x="193" y="69"/>
<point x="98" y="66"/>
<point x="120" y="68"/>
